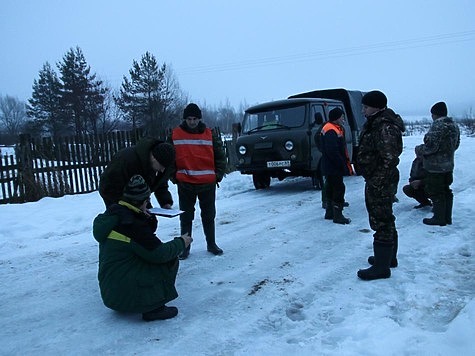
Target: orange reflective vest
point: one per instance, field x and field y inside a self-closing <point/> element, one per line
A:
<point x="194" y="156"/>
<point x="341" y="135"/>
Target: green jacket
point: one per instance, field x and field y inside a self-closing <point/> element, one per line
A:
<point x="137" y="271"/>
<point x="129" y="162"/>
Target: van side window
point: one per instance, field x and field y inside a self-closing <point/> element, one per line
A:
<point x="318" y="115"/>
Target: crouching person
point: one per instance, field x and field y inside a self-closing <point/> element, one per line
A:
<point x="137" y="271"/>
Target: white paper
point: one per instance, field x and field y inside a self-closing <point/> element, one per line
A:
<point x="169" y="213"/>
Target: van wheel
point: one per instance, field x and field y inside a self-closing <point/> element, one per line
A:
<point x="261" y="180"/>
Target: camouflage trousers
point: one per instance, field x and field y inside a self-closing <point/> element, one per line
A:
<point x="379" y="198"/>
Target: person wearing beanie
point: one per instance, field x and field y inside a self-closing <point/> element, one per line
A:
<point x="200" y="166"/>
<point x="335" y="164"/>
<point x="137" y="271"/>
<point x="438" y="152"/>
<point x="377" y="160"/>
<point x="152" y="159"/>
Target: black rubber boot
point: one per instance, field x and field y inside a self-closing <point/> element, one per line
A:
<point x="382" y="259"/>
<point x="329" y="211"/>
<point x="394" y="262"/>
<point x="161" y="313"/>
<point x="210" y="233"/>
<point x="439" y="209"/>
<point x="338" y="217"/>
<point x="449" y="202"/>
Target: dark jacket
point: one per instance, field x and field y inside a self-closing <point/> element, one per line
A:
<point x="417" y="168"/>
<point x="137" y="271"/>
<point x="334" y="158"/>
<point x="129" y="162"/>
<point x="220" y="160"/>
<point x="440" y="143"/>
<point x="380" y="146"/>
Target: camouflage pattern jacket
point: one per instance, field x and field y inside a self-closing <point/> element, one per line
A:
<point x="380" y="146"/>
<point x="440" y="143"/>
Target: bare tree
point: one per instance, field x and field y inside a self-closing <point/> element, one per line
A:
<point x="12" y="114"/>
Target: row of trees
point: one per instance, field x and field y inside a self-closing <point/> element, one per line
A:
<point x="71" y="99"/>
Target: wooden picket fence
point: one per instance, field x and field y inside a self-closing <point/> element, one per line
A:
<point x="47" y="167"/>
<point x="44" y="167"/>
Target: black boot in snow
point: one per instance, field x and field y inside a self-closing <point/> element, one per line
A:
<point x="161" y="313"/>
<point x="329" y="211"/>
<point x="210" y="233"/>
<point x="382" y="260"/>
<point x="338" y="217"/>
<point x="439" y="209"/>
<point x="394" y="262"/>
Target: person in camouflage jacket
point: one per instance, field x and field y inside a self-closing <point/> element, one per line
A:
<point x="150" y="158"/>
<point x="137" y="271"/>
<point x="377" y="159"/>
<point x="438" y="150"/>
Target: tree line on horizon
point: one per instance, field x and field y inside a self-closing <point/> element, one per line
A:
<point x="72" y="100"/>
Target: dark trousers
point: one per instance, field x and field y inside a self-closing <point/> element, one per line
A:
<point x="187" y="196"/>
<point x="437" y="185"/>
<point x="335" y="190"/>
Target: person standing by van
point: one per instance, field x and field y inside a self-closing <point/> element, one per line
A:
<point x="378" y="158"/>
<point x="200" y="166"/>
<point x="335" y="165"/>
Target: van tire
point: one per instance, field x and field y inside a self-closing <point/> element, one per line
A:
<point x="261" y="180"/>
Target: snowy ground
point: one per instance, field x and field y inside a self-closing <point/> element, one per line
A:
<point x="285" y="284"/>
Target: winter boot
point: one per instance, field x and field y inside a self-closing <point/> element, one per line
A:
<point x="394" y="262"/>
<point x="185" y="228"/>
<point x="338" y="217"/>
<point x="382" y="259"/>
<point x="210" y="233"/>
<point x="439" y="209"/>
<point x="161" y="313"/>
<point x="329" y="210"/>
<point x="449" y="202"/>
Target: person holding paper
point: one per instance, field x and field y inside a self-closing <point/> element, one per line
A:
<point x="137" y="271"/>
<point x="152" y="159"/>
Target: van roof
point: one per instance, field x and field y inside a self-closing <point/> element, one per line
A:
<point x="286" y="103"/>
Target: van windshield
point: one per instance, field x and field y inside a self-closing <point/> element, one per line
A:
<point x="282" y="118"/>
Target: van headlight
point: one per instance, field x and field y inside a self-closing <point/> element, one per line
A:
<point x="242" y="150"/>
<point x="289" y="145"/>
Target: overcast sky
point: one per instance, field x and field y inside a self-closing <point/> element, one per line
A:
<point x="252" y="51"/>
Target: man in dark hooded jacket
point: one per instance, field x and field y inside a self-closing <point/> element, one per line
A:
<point x="150" y="158"/>
<point x="438" y="151"/>
<point x="378" y="158"/>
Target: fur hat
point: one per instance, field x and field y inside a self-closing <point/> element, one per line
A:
<point x="335" y="114"/>
<point x="375" y="99"/>
<point x="136" y="190"/>
<point x="439" y="109"/>
<point x="164" y="153"/>
<point x="192" y="110"/>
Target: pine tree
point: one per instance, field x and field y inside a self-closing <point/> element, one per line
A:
<point x="82" y="95"/>
<point x="44" y="106"/>
<point x="145" y="97"/>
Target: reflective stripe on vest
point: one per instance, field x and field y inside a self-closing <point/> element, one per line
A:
<point x="114" y="235"/>
<point x="194" y="156"/>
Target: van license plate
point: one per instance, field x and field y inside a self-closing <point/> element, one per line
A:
<point x="278" y="164"/>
